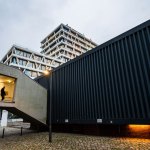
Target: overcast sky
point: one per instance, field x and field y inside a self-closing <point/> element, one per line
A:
<point x="27" y="22"/>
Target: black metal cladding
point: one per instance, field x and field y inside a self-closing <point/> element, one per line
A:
<point x="110" y="82"/>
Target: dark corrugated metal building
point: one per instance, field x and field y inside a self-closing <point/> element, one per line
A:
<point x="107" y="85"/>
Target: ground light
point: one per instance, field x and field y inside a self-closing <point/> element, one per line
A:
<point x="138" y="128"/>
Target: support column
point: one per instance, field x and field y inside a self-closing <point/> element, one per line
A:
<point x="4" y="118"/>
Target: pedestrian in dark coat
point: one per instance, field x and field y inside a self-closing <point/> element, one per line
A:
<point x="3" y="93"/>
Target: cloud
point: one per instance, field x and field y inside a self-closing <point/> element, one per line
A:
<point x="27" y="22"/>
<point x="104" y="19"/>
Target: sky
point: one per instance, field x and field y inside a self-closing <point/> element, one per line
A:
<point x="27" y="22"/>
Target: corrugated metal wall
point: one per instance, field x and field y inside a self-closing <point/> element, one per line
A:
<point x="111" y="82"/>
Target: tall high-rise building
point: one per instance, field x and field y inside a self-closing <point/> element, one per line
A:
<point x="60" y="46"/>
<point x="65" y="43"/>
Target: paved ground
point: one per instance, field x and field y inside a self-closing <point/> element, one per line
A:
<point x="62" y="141"/>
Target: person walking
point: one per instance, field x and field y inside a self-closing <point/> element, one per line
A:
<point x="3" y="93"/>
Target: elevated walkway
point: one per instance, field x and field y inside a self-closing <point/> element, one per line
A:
<point x="27" y="99"/>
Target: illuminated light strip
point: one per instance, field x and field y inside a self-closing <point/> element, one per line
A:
<point x="137" y="128"/>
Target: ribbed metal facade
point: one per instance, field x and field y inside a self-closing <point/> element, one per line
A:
<point x="110" y="83"/>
